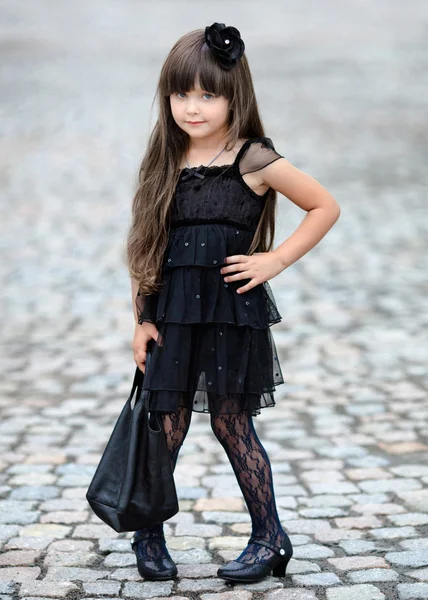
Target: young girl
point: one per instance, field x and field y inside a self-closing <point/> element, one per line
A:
<point x="200" y="254"/>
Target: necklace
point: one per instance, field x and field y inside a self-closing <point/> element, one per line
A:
<point x="194" y="170"/>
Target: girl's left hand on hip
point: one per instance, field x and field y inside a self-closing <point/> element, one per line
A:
<point x="259" y="267"/>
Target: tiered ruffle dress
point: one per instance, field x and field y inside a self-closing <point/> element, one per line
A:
<point x="215" y="352"/>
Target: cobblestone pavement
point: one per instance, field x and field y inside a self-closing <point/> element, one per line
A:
<point x="342" y="87"/>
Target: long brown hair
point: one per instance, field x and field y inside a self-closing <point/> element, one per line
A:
<point x="188" y="61"/>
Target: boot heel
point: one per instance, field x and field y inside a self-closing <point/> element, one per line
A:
<point x="279" y="570"/>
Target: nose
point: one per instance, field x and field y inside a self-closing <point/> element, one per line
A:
<point x="192" y="108"/>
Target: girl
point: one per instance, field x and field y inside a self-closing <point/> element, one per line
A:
<point x="200" y="254"/>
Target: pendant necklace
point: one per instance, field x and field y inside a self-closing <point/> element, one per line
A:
<point x="194" y="170"/>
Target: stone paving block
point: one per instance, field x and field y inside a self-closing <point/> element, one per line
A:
<point x="65" y="517"/>
<point x="348" y="563"/>
<point x="291" y="594"/>
<point x="232" y="595"/>
<point x="302" y="566"/>
<point x="373" y="575"/>
<point x="410" y="591"/>
<point x="354" y="592"/>
<point x="57" y="589"/>
<point x="70" y="559"/>
<point x="225" y="517"/>
<point x="419" y="543"/>
<point x="19" y="574"/>
<point x="320" y="579"/>
<point x="185" y="543"/>
<point x="74" y="574"/>
<point x="326" y="500"/>
<point x="416" y="500"/>
<point x="403" y="448"/>
<point x="388" y="508"/>
<point x="409" y="519"/>
<point x="202" y="584"/>
<point x="366" y="522"/>
<point x="334" y="536"/>
<point x="410" y="470"/>
<point x="390" y="485"/>
<point x="198" y="530"/>
<point x="307" y="526"/>
<point x="98" y="531"/>
<point x="102" y="588"/>
<point x="70" y="545"/>
<point x="120" y="559"/>
<point x="45" y="530"/>
<point x="421" y="574"/>
<point x="339" y="487"/>
<point x="190" y="556"/>
<point x="28" y="543"/>
<point x="147" y="589"/>
<point x="358" y="546"/>
<point x="266" y="584"/>
<point x="415" y="558"/>
<point x="228" y="542"/>
<point x="18" y="557"/>
<point x="198" y="570"/>
<point x="392" y="533"/>
<point x="319" y="513"/>
<point x="313" y="551"/>
<point x="362" y="474"/>
<point x="35" y="492"/>
<point x="7" y="587"/>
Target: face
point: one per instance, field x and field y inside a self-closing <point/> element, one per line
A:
<point x="200" y="113"/>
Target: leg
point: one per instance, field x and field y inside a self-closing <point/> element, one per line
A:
<point x="252" y="468"/>
<point x="176" y="426"/>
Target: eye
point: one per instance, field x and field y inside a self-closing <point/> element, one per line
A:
<point x="178" y="94"/>
<point x="207" y="94"/>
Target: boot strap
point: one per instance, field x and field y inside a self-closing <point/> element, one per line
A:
<point x="262" y="542"/>
<point x="145" y="536"/>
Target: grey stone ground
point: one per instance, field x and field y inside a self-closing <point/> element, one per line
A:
<point x="342" y="87"/>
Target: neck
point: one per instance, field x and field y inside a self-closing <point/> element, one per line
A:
<point x="212" y="143"/>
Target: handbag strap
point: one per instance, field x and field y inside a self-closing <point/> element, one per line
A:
<point x="138" y="380"/>
<point x="139" y="375"/>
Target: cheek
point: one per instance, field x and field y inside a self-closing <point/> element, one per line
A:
<point x="220" y="112"/>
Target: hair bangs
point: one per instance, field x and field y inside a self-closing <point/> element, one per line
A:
<point x="191" y="63"/>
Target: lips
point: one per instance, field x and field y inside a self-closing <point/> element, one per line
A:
<point x="195" y="122"/>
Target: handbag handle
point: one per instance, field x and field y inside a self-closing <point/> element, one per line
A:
<point x="139" y="375"/>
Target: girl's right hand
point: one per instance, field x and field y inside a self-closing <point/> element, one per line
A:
<point x="142" y="336"/>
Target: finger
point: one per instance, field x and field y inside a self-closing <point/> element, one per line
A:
<point x="246" y="288"/>
<point x="235" y="267"/>
<point x="141" y="365"/>
<point x="238" y="276"/>
<point x="236" y="258"/>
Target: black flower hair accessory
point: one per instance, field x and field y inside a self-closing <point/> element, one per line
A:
<point x="225" y="43"/>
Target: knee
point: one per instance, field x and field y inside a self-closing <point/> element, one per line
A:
<point x="219" y="426"/>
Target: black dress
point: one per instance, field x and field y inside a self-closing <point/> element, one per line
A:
<point x="215" y="351"/>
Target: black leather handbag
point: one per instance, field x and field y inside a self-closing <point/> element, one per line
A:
<point x="133" y="486"/>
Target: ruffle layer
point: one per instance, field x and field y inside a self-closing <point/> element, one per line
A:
<point x="200" y="295"/>
<point x="216" y="368"/>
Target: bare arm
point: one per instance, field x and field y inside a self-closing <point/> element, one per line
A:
<point x="307" y="193"/>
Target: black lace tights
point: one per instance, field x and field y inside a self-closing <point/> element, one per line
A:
<point x="176" y="425"/>
<point x="252" y="468"/>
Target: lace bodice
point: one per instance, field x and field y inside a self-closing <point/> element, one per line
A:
<point x="223" y="195"/>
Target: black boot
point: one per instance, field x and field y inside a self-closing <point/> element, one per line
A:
<point x="250" y="573"/>
<point x="161" y="566"/>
